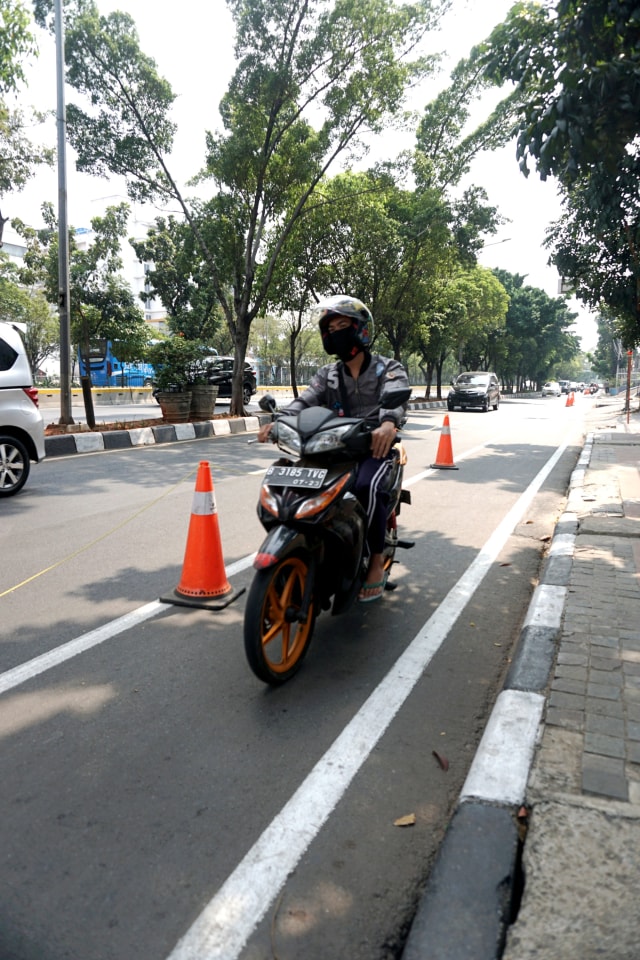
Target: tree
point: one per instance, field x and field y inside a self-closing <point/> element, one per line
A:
<point x="18" y="155"/>
<point x="180" y="279"/>
<point x="344" y="66"/>
<point x="578" y="68"/>
<point x="536" y="335"/>
<point x="28" y="307"/>
<point x="102" y="303"/>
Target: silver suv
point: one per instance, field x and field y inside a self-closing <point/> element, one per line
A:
<point x="21" y="426"/>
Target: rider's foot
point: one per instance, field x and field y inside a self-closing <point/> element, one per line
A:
<point x="373" y="587"/>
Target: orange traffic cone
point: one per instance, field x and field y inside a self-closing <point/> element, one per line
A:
<point x="204" y="581"/>
<point x="569" y="402"/>
<point x="444" y="456"/>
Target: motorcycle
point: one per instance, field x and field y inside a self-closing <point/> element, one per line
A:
<point x="314" y="556"/>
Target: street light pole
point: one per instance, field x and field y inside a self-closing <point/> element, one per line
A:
<point x="63" y="232"/>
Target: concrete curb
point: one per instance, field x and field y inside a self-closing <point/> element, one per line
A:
<point x="95" y="441"/>
<point x="473" y="890"/>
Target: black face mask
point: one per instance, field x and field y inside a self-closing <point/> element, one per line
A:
<point x="342" y="343"/>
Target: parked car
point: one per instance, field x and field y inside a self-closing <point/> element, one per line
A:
<point x="221" y="374"/>
<point x="21" y="425"/>
<point x="551" y="389"/>
<point x="475" y="388"/>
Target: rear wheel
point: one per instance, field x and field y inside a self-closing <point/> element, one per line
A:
<point x="246" y="395"/>
<point x="14" y="466"/>
<point x="275" y="642"/>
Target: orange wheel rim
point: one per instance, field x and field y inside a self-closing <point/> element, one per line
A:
<point x="283" y="641"/>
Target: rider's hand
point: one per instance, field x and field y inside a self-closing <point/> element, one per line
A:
<point x="264" y="431"/>
<point x="382" y="439"/>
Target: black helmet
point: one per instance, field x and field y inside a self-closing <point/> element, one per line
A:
<point x="344" y="306"/>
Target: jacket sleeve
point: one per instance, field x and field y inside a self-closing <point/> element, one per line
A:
<point x="394" y="378"/>
<point x="314" y="396"/>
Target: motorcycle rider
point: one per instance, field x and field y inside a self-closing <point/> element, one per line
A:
<point x="352" y="386"/>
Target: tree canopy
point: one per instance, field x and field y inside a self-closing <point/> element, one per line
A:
<point x="576" y="65"/>
<point x="312" y="77"/>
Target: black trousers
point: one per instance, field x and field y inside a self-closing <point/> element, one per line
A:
<point x="372" y="492"/>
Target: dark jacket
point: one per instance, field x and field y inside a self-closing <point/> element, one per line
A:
<point x="363" y="393"/>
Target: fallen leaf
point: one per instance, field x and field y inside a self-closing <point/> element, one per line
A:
<point x="472" y="624"/>
<point x="442" y="760"/>
<point x="505" y="564"/>
<point x="407" y="821"/>
<point x="528" y="521"/>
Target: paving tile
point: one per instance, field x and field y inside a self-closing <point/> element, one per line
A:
<point x="567" y="719"/>
<point x="566" y="701"/>
<point x="604" y="745"/>
<point x="607" y="679"/>
<point x="610" y="726"/>
<point x="604" y="776"/>
<point x="608" y="708"/>
<point x="604" y="691"/>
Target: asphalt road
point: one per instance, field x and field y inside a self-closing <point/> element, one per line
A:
<point x="158" y="801"/>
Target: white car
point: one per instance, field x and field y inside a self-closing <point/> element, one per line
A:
<point x="21" y="425"/>
<point x="551" y="389"/>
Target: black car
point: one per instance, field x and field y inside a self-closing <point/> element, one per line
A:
<point x="220" y="371"/>
<point x="475" y="388"/>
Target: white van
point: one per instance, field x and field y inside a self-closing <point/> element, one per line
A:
<point x="21" y="425"/>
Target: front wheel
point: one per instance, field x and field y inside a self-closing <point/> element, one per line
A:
<point x="275" y="642"/>
<point x="14" y="466"/>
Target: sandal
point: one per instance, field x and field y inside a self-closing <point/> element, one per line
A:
<point x="378" y="586"/>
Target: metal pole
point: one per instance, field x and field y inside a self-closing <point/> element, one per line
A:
<point x="63" y="232"/>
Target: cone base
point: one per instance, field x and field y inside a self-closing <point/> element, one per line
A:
<point x="444" y="466"/>
<point x="206" y="603"/>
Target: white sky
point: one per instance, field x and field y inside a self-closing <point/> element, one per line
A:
<point x="192" y="44"/>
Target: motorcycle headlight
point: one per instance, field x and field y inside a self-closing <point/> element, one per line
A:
<point x="327" y="440"/>
<point x="288" y="439"/>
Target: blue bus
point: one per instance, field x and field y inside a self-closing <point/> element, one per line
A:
<point x="107" y="371"/>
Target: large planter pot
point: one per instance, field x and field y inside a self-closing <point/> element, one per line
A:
<point x="203" y="401"/>
<point x="176" y="407"/>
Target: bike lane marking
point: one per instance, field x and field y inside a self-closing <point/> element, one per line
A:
<point x="53" y="658"/>
<point x="226" y="923"/>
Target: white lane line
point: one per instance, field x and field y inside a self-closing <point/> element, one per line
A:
<point x="427" y="473"/>
<point x="53" y="658"/>
<point x="226" y="923"/>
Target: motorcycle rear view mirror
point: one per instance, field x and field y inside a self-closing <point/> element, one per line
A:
<point x="267" y="402"/>
<point x="395" y="398"/>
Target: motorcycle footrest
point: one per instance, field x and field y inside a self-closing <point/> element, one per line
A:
<point x="405" y="496"/>
<point x="406" y="544"/>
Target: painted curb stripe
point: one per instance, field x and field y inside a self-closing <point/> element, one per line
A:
<point x="500" y="768"/>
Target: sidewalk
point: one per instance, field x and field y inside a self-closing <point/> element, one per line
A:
<point x="558" y="766"/>
<point x="582" y="852"/>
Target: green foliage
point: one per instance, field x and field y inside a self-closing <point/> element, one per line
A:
<point x="16" y="43"/>
<point x="577" y="67"/>
<point x="101" y="302"/>
<point x="311" y="79"/>
<point x="536" y="336"/>
<point x="179" y="362"/>
<point x="30" y="307"/>
<point x="180" y="278"/>
<point x="19" y="157"/>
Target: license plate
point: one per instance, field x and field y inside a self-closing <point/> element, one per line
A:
<point x="310" y="477"/>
